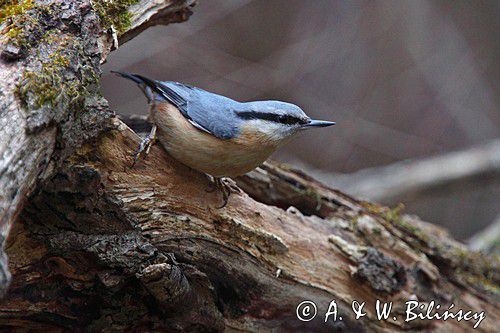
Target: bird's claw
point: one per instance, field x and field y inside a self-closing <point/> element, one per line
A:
<point x="212" y="187"/>
<point x="227" y="186"/>
<point x="231" y="185"/>
<point x="145" y="145"/>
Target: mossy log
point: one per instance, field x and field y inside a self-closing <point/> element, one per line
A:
<point x="96" y="245"/>
<point x="50" y="57"/>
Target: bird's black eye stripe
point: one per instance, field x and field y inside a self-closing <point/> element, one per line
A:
<point x="277" y="118"/>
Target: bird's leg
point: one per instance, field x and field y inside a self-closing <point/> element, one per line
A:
<point x="212" y="186"/>
<point x="231" y="185"/>
<point x="225" y="191"/>
<point x="227" y="186"/>
<point x="145" y="145"/>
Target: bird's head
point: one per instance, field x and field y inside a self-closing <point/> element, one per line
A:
<point x="277" y="120"/>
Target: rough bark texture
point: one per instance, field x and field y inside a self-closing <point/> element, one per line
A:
<point x="103" y="246"/>
<point x="49" y="85"/>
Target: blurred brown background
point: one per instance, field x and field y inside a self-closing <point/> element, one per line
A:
<point x="405" y="80"/>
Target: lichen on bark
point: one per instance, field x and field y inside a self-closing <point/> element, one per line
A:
<point x="62" y="63"/>
<point x="59" y="73"/>
<point x="114" y="14"/>
<point x="24" y="24"/>
<point x="9" y="8"/>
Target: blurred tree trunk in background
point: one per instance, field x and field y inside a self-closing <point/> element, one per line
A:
<point x="95" y="243"/>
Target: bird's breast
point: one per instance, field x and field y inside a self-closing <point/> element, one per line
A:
<point x="205" y="152"/>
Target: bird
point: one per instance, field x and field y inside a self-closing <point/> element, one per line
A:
<point x="214" y="134"/>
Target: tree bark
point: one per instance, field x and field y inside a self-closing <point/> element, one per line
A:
<point x="49" y="86"/>
<point x="98" y="245"/>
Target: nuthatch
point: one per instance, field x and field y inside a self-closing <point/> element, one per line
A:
<point x="215" y="134"/>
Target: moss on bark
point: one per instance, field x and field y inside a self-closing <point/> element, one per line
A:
<point x="114" y="13"/>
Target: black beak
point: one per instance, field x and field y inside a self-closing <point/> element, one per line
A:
<point x="318" y="123"/>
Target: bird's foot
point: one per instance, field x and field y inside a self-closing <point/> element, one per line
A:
<point x="227" y="186"/>
<point x="231" y="184"/>
<point x="211" y="184"/>
<point x="145" y="145"/>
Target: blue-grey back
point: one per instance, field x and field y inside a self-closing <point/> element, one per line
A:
<point x="212" y="112"/>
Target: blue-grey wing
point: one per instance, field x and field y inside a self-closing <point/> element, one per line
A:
<point x="207" y="111"/>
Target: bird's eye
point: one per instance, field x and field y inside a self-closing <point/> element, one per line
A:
<point x="289" y="120"/>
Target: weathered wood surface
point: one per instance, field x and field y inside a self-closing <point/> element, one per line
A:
<point x="103" y="246"/>
<point x="49" y="85"/>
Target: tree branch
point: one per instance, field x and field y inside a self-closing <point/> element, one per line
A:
<point x="393" y="181"/>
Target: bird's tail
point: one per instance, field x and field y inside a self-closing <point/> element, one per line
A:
<point x="147" y="86"/>
<point x="134" y="77"/>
